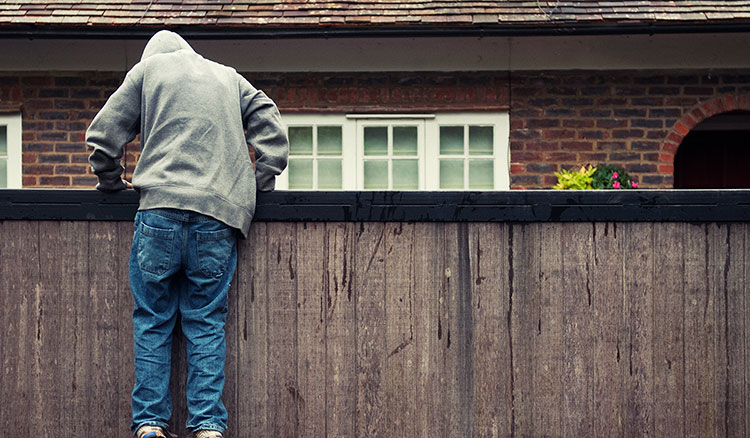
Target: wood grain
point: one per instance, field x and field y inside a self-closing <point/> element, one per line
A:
<point x="403" y="330"/>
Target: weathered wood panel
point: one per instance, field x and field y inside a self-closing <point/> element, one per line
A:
<point x="669" y="330"/>
<point x="403" y="330"/>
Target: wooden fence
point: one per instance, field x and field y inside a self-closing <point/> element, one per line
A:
<point x="391" y="329"/>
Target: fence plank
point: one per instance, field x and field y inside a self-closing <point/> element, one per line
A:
<point x="638" y="292"/>
<point x="577" y="333"/>
<point x="26" y="306"/>
<point x="7" y="252"/>
<point x="104" y="261"/>
<point x="252" y="346"/>
<point x="311" y="329"/>
<point x="341" y="374"/>
<point x="400" y="366"/>
<point x="726" y="252"/>
<point x="549" y="345"/>
<point x="492" y="352"/>
<point x="52" y="310"/>
<point x="745" y="290"/>
<point x="231" y="363"/>
<point x="371" y="328"/>
<point x="283" y="389"/>
<point x="522" y="313"/>
<point x="457" y="314"/>
<point x="699" y="325"/>
<point x="126" y="356"/>
<point x="669" y="307"/>
<point x="609" y="342"/>
<point x="429" y="274"/>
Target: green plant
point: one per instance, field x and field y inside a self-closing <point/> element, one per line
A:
<point x="580" y="180"/>
<point x="602" y="177"/>
<point x="612" y="177"/>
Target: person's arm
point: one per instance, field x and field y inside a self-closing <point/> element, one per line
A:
<point x="114" y="126"/>
<point x="265" y="133"/>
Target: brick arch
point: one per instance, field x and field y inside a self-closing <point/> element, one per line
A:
<point x="695" y="115"/>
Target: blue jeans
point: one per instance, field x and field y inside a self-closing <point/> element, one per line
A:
<point x="180" y="262"/>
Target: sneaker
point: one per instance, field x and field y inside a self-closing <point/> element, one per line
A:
<point x="151" y="432"/>
<point x="207" y="434"/>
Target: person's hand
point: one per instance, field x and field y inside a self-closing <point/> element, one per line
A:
<point x="127" y="184"/>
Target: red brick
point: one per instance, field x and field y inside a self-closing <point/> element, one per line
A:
<point x="542" y="146"/>
<point x="85" y="181"/>
<point x="550" y="180"/>
<point x="681" y="128"/>
<point x="730" y="104"/>
<point x="557" y="157"/>
<point x="669" y="146"/>
<point x="38" y="169"/>
<point x="28" y="181"/>
<point x="70" y="170"/>
<point x="54" y="181"/>
<point x="54" y="158"/>
<point x="554" y="134"/>
<point x="526" y="157"/>
<point x="666" y="158"/>
<point x="577" y="123"/>
<point x="666" y="168"/>
<point x="577" y="146"/>
<point x="28" y="158"/>
<point x="517" y="168"/>
<point x="675" y="137"/>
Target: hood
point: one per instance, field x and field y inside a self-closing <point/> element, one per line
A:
<point x="165" y="41"/>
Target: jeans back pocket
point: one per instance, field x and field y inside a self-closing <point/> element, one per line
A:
<point x="154" y="249"/>
<point x="214" y="250"/>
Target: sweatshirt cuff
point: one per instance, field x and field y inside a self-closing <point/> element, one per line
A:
<point x="265" y="182"/>
<point x="111" y="186"/>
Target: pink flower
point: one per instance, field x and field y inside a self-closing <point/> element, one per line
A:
<point x="616" y="184"/>
<point x="615" y="175"/>
<point x="635" y="185"/>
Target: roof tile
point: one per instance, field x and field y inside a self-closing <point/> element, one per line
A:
<point x="369" y="13"/>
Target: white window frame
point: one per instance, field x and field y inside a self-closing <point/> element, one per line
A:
<point x="500" y="154"/>
<point x="12" y="122"/>
<point x="352" y="126"/>
<point x="362" y="123"/>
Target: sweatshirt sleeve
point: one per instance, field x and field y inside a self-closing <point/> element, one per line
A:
<point x="265" y="133"/>
<point x="114" y="126"/>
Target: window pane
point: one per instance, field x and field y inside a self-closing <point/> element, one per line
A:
<point x="300" y="140"/>
<point x="405" y="175"/>
<point x="451" y="174"/>
<point x="329" y="140"/>
<point x="481" y="175"/>
<point x="451" y="140"/>
<point x="480" y="140"/>
<point x="3" y="173"/>
<point x="300" y="174"/>
<point x="376" y="140"/>
<point x="329" y="174"/>
<point x="376" y="175"/>
<point x="3" y="141"/>
<point x="404" y="140"/>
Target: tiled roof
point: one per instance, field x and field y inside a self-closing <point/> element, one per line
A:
<point x="365" y="14"/>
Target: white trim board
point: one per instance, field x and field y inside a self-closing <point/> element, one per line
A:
<point x="607" y="52"/>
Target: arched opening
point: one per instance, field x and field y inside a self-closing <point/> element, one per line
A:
<point x="715" y="154"/>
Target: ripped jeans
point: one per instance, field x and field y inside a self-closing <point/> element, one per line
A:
<point x="183" y="262"/>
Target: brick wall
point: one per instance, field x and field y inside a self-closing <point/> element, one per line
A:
<point x="557" y="119"/>
<point x="57" y="109"/>
<point x="631" y="119"/>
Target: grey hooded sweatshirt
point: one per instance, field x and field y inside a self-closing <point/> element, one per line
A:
<point x="192" y="114"/>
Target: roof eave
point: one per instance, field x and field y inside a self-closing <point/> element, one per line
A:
<point x="267" y="32"/>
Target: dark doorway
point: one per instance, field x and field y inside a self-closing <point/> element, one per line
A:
<point x="715" y="154"/>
